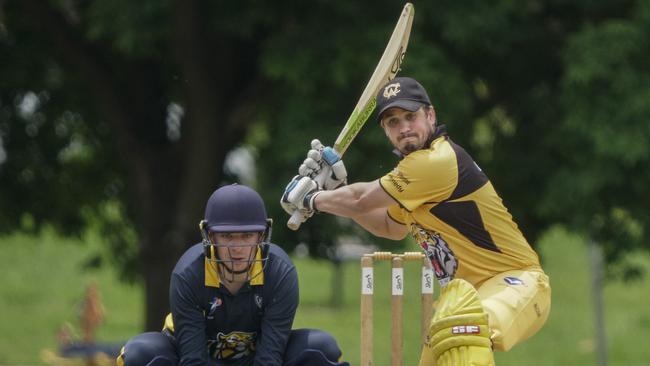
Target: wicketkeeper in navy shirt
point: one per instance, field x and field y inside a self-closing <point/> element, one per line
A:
<point x="233" y="298"/>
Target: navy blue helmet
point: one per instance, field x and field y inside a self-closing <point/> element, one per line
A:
<point x="235" y="208"/>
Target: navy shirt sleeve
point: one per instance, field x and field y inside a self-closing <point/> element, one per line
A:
<point x="281" y="298"/>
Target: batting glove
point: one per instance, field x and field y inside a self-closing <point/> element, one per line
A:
<point x="299" y="195"/>
<point x="325" y="166"/>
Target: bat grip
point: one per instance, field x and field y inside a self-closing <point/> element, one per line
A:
<point x="295" y="220"/>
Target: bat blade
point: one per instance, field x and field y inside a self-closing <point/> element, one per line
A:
<point x="388" y="66"/>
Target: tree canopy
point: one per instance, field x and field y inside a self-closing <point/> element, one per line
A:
<point x="121" y="114"/>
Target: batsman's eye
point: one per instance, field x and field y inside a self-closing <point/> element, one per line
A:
<point x="392" y="122"/>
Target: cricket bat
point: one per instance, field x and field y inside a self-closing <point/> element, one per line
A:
<point x="388" y="66"/>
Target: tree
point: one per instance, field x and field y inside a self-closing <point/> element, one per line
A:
<point x="606" y="107"/>
<point x="100" y="89"/>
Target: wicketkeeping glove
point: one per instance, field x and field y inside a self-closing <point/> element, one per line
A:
<point x="299" y="195"/>
<point x="324" y="165"/>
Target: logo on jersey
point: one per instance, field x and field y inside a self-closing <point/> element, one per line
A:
<point x="214" y="304"/>
<point x="232" y="346"/>
<point x="391" y="90"/>
<point x="258" y="301"/>
<point x="513" y="281"/>
<point x="398" y="180"/>
<point x="442" y="259"/>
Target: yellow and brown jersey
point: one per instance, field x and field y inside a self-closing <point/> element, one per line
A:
<point x="454" y="213"/>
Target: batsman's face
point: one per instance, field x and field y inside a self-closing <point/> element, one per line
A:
<point x="408" y="131"/>
<point x="236" y="250"/>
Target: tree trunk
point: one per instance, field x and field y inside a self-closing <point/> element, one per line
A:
<point x="157" y="267"/>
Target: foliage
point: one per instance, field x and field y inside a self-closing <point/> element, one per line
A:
<point x="606" y="90"/>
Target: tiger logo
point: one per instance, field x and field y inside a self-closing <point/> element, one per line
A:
<point x="232" y="346"/>
<point x="442" y="258"/>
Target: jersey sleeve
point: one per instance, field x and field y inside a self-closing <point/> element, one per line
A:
<point x="422" y="176"/>
<point x="395" y="213"/>
<point x="189" y="323"/>
<point x="277" y="320"/>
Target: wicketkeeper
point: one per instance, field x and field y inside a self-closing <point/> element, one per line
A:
<point x="494" y="291"/>
<point x="233" y="298"/>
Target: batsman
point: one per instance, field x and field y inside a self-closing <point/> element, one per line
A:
<point x="495" y="293"/>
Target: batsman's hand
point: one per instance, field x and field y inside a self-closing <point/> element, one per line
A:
<point x="324" y="165"/>
<point x="299" y="196"/>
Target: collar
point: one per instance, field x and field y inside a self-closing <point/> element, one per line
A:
<point x="441" y="130"/>
<point x="255" y="273"/>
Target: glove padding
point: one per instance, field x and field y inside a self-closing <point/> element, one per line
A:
<point x="299" y="195"/>
<point x="324" y="165"/>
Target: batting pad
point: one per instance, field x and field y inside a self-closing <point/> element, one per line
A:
<point x="459" y="334"/>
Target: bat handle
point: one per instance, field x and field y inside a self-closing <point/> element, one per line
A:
<point x="295" y="220"/>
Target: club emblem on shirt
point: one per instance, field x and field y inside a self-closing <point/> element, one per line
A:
<point x="442" y="258"/>
<point x="258" y="301"/>
<point x="232" y="346"/>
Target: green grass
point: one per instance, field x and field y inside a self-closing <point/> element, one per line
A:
<point x="43" y="282"/>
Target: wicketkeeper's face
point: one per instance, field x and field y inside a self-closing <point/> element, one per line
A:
<point x="236" y="250"/>
<point x="408" y="131"/>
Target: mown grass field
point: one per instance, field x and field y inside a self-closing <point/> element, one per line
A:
<point x="42" y="283"/>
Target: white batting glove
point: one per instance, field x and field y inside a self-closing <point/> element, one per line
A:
<point x="325" y="166"/>
<point x="299" y="195"/>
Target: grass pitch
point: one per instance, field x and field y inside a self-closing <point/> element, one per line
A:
<point x="43" y="283"/>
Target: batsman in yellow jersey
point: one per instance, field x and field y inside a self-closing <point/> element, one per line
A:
<point x="494" y="292"/>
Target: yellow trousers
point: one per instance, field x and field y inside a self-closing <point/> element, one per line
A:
<point x="518" y="303"/>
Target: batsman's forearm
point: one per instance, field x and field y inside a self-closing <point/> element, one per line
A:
<point x="347" y="201"/>
<point x="365" y="203"/>
<point x="376" y="223"/>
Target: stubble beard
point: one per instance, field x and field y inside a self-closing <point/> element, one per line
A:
<point x="409" y="148"/>
<point x="412" y="147"/>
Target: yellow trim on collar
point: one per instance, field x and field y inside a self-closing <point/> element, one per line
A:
<point x="256" y="272"/>
<point x="211" y="273"/>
